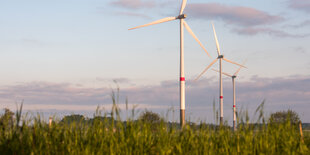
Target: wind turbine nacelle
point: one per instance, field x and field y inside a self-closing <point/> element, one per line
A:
<point x="182" y="16"/>
<point x="220" y="56"/>
<point x="234" y="76"/>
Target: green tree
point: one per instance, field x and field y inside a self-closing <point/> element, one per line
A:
<point x="283" y="116"/>
<point x="98" y="119"/>
<point x="7" y="118"/>
<point x="150" y="117"/>
<point x="73" y="118"/>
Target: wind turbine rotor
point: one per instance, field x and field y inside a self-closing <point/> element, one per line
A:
<point x="216" y="41"/>
<point x="235" y="74"/>
<point x="206" y="69"/>
<point x="167" y="19"/>
<point x="182" y="7"/>
<point x="223" y="73"/>
<point x="233" y="62"/>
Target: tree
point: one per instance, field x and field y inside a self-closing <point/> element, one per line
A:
<point x="283" y="116"/>
<point x="7" y="118"/>
<point x="73" y="118"/>
<point x="150" y="117"/>
<point x="98" y="119"/>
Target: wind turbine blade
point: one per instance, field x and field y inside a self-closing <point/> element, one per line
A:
<point x="182" y="6"/>
<point x="155" y="22"/>
<point x="205" y="69"/>
<point x="222" y="73"/>
<point x="233" y="62"/>
<point x="195" y="37"/>
<point x="216" y="41"/>
<point x="235" y="74"/>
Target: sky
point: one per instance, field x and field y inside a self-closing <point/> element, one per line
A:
<point x="64" y="56"/>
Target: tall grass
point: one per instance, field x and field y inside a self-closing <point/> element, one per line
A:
<point x="113" y="136"/>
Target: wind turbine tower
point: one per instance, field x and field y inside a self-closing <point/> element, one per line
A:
<point x="220" y="58"/>
<point x="233" y="77"/>
<point x="183" y="24"/>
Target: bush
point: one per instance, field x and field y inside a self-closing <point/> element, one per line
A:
<point x="150" y="117"/>
<point x="284" y="116"/>
<point x="6" y="120"/>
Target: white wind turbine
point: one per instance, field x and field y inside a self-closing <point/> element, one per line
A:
<point x="181" y="17"/>
<point x="234" y="93"/>
<point x="220" y="58"/>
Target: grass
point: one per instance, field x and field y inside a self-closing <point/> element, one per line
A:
<point x="103" y="136"/>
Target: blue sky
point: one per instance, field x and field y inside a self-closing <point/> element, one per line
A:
<point x="65" y="54"/>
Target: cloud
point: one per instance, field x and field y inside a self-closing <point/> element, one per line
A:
<point x="300" y="49"/>
<point x="242" y="20"/>
<point x="77" y="107"/>
<point x="302" y="5"/>
<point x="132" y="14"/>
<point x="53" y="93"/>
<point x="117" y="80"/>
<point x="271" y="32"/>
<point x="134" y="4"/>
<point x="281" y="93"/>
<point x="301" y="25"/>
<point x="237" y="15"/>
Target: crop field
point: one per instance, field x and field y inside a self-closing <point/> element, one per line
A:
<point x="110" y="135"/>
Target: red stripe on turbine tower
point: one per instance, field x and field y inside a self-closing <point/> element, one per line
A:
<point x="221" y="97"/>
<point x="182" y="78"/>
<point x="234" y="106"/>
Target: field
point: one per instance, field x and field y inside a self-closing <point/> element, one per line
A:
<point x="110" y="135"/>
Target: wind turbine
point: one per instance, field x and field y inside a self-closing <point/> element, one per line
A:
<point x="234" y="93"/>
<point x="181" y="17"/>
<point x="220" y="58"/>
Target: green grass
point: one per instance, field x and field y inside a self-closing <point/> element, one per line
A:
<point x="137" y="137"/>
<point x="103" y="136"/>
<point x="307" y="138"/>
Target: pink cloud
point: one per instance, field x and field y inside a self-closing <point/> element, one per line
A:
<point x="303" y="5"/>
<point x="134" y="4"/>
<point x="238" y="15"/>
<point x="280" y="93"/>
<point x="132" y="14"/>
<point x="166" y="92"/>
<point x="271" y="32"/>
<point x="300" y="25"/>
